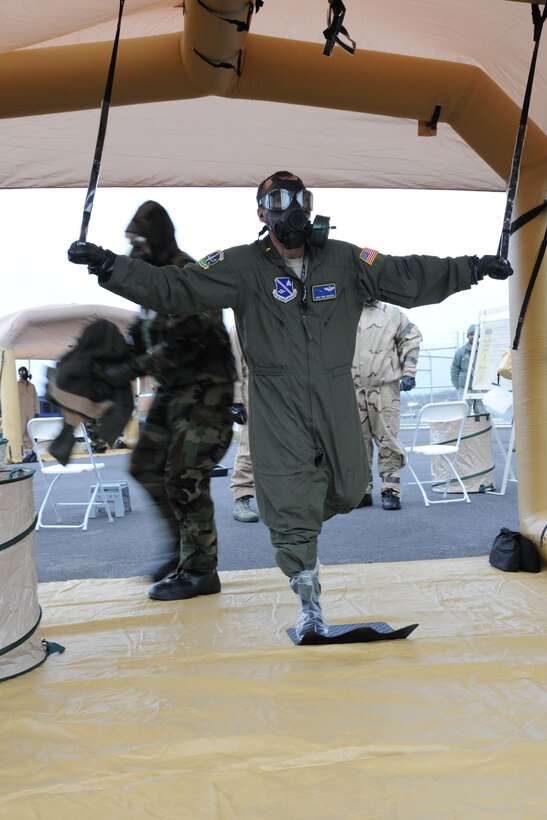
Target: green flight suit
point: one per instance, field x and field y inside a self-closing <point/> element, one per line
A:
<point x="298" y="340"/>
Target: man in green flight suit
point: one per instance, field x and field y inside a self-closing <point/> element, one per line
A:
<point x="297" y="298"/>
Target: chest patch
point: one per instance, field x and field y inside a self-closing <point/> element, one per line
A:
<point x="319" y="293"/>
<point x="211" y="259"/>
<point x="368" y="255"/>
<point x="284" y="289"/>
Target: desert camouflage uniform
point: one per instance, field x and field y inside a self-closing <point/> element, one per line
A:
<point x="189" y="425"/>
<point x="29" y="408"/>
<point x="387" y="348"/>
<point x="242" y="483"/>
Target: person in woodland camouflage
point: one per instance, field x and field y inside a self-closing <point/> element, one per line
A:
<point x="189" y="425"/>
<point x="384" y="364"/>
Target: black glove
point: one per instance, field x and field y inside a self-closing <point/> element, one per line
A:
<point x="494" y="266"/>
<point x="116" y="375"/>
<point x="239" y="413"/>
<point x="407" y="383"/>
<point x="97" y="259"/>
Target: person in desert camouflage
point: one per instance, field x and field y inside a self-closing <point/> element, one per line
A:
<point x="384" y="364"/>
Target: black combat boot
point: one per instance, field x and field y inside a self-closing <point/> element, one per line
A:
<point x="186" y="583"/>
<point x="390" y="500"/>
<point x="167" y="565"/>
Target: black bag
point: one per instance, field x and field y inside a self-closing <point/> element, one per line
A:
<point x="512" y="552"/>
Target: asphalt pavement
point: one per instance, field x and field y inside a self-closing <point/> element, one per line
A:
<point x="128" y="546"/>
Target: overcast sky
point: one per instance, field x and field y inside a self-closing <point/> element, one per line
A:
<point x="38" y="225"/>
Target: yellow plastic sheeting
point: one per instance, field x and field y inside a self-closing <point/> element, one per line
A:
<point x="205" y="709"/>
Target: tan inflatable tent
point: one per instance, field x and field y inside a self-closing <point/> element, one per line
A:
<point x="216" y="93"/>
<point x="207" y="710"/>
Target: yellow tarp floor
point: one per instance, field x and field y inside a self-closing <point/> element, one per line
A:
<point x="205" y="709"/>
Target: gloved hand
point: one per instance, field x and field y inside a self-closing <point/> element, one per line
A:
<point x="239" y="413"/>
<point x="97" y="259"/>
<point x="494" y="266"/>
<point x="116" y="375"/>
<point x="407" y="383"/>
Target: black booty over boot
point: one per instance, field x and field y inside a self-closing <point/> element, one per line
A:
<point x="390" y="500"/>
<point x="184" y="583"/>
<point x="61" y="447"/>
<point x="163" y="565"/>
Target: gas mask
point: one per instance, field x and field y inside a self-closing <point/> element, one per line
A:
<point x="288" y="207"/>
<point x="140" y="248"/>
<point x="24" y="374"/>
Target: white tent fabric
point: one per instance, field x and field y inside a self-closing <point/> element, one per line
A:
<point x="48" y="332"/>
<point x="212" y="141"/>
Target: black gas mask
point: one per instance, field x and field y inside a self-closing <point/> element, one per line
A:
<point x="24" y="374"/>
<point x="140" y="247"/>
<point x="288" y="206"/>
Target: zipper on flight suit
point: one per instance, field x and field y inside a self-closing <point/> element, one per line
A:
<point x="304" y="298"/>
<point x="304" y="306"/>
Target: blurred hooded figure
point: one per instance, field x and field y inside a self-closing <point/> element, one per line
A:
<point x="29" y="406"/>
<point x="189" y="425"/>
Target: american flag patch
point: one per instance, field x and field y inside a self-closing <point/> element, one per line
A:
<point x="368" y="255"/>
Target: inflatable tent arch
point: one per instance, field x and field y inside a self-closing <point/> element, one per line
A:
<point x="223" y="73"/>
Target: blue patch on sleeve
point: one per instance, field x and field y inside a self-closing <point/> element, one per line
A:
<point x="211" y="259"/>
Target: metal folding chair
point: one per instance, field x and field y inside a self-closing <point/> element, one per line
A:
<point x="42" y="432"/>
<point x="450" y="411"/>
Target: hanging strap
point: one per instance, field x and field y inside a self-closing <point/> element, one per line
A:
<point x="105" y="105"/>
<point x="529" y="289"/>
<point x="523" y="219"/>
<point x="538" y="20"/>
<point x="335" y="20"/>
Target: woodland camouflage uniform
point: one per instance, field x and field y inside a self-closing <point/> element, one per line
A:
<point x="189" y="425"/>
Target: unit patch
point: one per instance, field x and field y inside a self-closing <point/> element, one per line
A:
<point x="284" y="289"/>
<point x="321" y="292"/>
<point x="368" y="255"/>
<point x="211" y="259"/>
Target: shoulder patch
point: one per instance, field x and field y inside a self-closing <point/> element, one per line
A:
<point x="368" y="255"/>
<point x="211" y="259"/>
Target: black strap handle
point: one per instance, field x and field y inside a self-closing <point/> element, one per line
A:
<point x="105" y="106"/>
<point x="538" y="21"/>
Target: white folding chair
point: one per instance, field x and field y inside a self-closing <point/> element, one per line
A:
<point x="42" y="432"/>
<point x="450" y="411"/>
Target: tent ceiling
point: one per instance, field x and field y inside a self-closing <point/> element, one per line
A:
<point x="338" y="121"/>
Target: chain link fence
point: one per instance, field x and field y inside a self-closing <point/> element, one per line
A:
<point x="432" y="383"/>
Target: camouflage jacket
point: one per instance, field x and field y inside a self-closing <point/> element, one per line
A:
<point x="387" y="346"/>
<point x="177" y="351"/>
